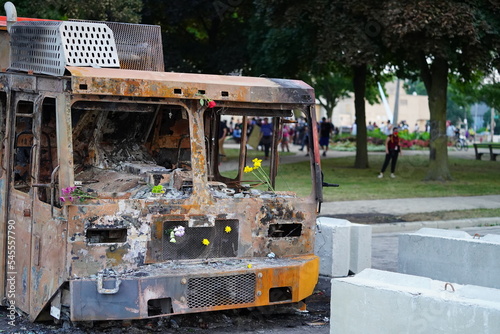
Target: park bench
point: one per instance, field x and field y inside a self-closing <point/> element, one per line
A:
<point x="490" y="147"/>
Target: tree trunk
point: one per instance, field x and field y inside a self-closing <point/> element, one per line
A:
<point x="436" y="82"/>
<point x="359" y="82"/>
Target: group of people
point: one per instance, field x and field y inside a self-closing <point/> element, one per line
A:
<point x="387" y="128"/>
<point x="298" y="133"/>
<point x="455" y="133"/>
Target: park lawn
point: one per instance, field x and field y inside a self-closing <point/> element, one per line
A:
<point x="471" y="178"/>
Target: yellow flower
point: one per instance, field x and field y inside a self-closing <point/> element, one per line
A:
<point x="248" y="169"/>
<point x="205" y="242"/>
<point x="249" y="266"/>
<point x="257" y="162"/>
<point x="227" y="229"/>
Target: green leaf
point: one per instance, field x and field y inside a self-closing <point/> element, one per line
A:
<point x="202" y="102"/>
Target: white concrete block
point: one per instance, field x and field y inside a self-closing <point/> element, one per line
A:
<point x="492" y="238"/>
<point x="361" y="248"/>
<point x="333" y="246"/>
<point x="381" y="302"/>
<point x="342" y="247"/>
<point x="451" y="256"/>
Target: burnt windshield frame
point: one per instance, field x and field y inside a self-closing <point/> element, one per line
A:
<point x="243" y="117"/>
<point x="138" y="140"/>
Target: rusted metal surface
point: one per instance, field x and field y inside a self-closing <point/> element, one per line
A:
<point x="48" y="270"/>
<point x="172" y="281"/>
<point x="117" y="135"/>
<point x="193" y="86"/>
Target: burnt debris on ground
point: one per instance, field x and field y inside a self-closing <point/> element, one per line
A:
<point x="231" y="321"/>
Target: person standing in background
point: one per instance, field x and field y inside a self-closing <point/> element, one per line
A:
<point x="388" y="128"/>
<point x="285" y="139"/>
<point x="223" y="131"/>
<point x="325" y="130"/>
<point x="392" y="150"/>
<point x="266" y="130"/>
<point x="305" y="140"/>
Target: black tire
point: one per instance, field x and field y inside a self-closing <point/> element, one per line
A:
<point x="458" y="145"/>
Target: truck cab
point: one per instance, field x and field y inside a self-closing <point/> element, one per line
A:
<point x="115" y="193"/>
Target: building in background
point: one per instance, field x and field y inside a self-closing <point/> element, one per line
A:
<point x="413" y="109"/>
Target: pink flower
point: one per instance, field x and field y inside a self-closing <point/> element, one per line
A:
<point x="65" y="191"/>
<point x="70" y="198"/>
<point x="211" y="104"/>
<point x="62" y="199"/>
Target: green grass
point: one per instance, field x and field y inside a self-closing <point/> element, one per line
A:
<point x="471" y="178"/>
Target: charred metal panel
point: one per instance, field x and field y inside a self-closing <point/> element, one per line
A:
<point x="284" y="211"/>
<point x="223" y="236"/>
<point x="148" y="230"/>
<point x="181" y="85"/>
<point x="48" y="257"/>
<point x="192" y="287"/>
<point x="88" y="258"/>
<point x="18" y="202"/>
<point x="46" y="84"/>
<point x="88" y="304"/>
<point x="24" y="83"/>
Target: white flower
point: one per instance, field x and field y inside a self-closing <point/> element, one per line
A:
<point x="179" y="231"/>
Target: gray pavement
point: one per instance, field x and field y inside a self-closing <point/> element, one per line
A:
<point x="412" y="205"/>
<point x="402" y="206"/>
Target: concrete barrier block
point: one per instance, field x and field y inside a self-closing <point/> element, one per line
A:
<point x="382" y="302"/>
<point x="361" y="248"/>
<point x="491" y="238"/>
<point x="342" y="247"/>
<point x="333" y="246"/>
<point x="451" y="256"/>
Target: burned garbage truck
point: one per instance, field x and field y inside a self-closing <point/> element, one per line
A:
<point x="116" y="200"/>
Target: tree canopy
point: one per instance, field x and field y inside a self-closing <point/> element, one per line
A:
<point x="111" y="10"/>
<point x="323" y="42"/>
<point x="431" y="39"/>
<point x="202" y="35"/>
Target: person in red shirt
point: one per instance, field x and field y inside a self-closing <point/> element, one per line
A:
<point x="392" y="150"/>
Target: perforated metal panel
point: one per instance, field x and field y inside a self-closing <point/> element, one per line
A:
<point x="190" y="246"/>
<point x="139" y="46"/>
<point x="48" y="46"/>
<point x="221" y="290"/>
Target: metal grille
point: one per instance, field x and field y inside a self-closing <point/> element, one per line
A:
<point x="47" y="47"/>
<point x="36" y="48"/>
<point x="139" y="46"/>
<point x="221" y="290"/>
<point x="190" y="245"/>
